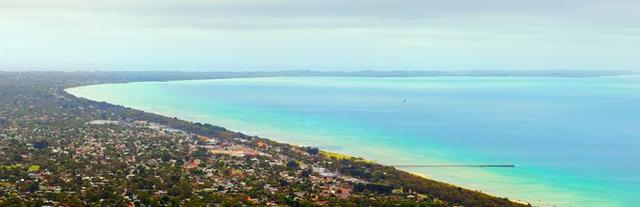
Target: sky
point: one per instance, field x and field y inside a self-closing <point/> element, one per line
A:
<point x="234" y="35"/>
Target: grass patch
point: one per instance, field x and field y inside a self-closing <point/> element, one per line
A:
<point x="34" y="168"/>
<point x="11" y="167"/>
<point x="31" y="168"/>
<point x="340" y="156"/>
<point x="335" y="155"/>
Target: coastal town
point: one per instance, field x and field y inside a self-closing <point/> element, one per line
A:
<point x="60" y="150"/>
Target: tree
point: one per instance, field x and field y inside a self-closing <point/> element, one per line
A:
<point x="201" y="153"/>
<point x="41" y="144"/>
<point x="293" y="164"/>
<point x="306" y="172"/>
<point x="313" y="150"/>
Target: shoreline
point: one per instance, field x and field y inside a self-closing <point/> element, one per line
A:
<point x="164" y="103"/>
<point x="326" y="153"/>
<point x="169" y="161"/>
<point x="558" y="192"/>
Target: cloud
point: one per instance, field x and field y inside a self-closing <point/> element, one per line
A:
<point x="278" y="14"/>
<point x="322" y="33"/>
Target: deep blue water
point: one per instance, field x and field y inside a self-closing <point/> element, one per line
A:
<point x="574" y="141"/>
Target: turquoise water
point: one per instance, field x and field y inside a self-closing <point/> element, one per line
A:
<point x="574" y="141"/>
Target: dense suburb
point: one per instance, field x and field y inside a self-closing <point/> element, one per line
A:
<point x="59" y="150"/>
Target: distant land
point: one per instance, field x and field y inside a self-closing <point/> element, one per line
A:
<point x="131" y="76"/>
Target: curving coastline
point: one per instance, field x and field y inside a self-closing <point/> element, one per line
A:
<point x="277" y="136"/>
<point x="189" y="115"/>
<point x="342" y="156"/>
<point x="123" y="156"/>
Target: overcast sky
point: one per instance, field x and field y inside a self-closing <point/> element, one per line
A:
<point x="320" y="34"/>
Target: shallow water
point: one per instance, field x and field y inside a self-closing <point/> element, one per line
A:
<point x="574" y="141"/>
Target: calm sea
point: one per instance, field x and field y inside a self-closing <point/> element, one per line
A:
<point x="574" y="141"/>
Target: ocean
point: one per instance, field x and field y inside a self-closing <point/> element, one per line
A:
<point x="573" y="141"/>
